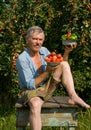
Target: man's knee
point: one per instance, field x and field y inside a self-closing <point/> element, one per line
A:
<point x="64" y="65"/>
<point x="35" y="103"/>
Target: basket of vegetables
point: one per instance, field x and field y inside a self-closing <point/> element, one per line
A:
<point x="53" y="59"/>
<point x="69" y="38"/>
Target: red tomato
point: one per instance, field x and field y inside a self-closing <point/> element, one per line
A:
<point x="68" y="34"/>
<point x="49" y="60"/>
<point x="61" y="59"/>
<point x="49" y="56"/>
<point x="57" y="60"/>
<point x="59" y="56"/>
<point x="46" y="58"/>
<point x="54" y="58"/>
<point x="53" y="53"/>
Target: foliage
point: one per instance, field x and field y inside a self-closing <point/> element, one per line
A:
<point x="84" y="120"/>
<point x="56" y="18"/>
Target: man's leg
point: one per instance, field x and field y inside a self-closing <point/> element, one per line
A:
<point x="65" y="74"/>
<point x="35" y="105"/>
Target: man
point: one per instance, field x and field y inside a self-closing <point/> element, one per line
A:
<point x="38" y="80"/>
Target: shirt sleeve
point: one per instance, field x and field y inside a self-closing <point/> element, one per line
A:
<point x="25" y="74"/>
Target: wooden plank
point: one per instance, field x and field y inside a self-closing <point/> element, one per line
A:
<point x="59" y="116"/>
<point x="55" y="112"/>
<point x="58" y="101"/>
<point x="55" y="102"/>
<point x="50" y="117"/>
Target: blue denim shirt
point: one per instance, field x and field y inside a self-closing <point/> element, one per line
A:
<point x="27" y="71"/>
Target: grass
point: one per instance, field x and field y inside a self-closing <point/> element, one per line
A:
<point x="8" y="119"/>
<point x="84" y="120"/>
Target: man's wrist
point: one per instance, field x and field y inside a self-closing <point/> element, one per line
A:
<point x="66" y="52"/>
<point x="47" y="72"/>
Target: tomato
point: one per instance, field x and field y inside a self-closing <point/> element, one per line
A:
<point x="57" y="60"/>
<point x="54" y="58"/>
<point x="49" y="60"/>
<point x="61" y="59"/>
<point x="59" y="56"/>
<point x="50" y="57"/>
<point x="68" y="34"/>
<point x="46" y="58"/>
<point x="53" y="53"/>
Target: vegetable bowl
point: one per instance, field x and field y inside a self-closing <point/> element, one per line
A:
<point x="53" y="64"/>
<point x="69" y="38"/>
<point x="53" y="59"/>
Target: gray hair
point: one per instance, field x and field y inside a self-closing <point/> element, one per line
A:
<point x="34" y="29"/>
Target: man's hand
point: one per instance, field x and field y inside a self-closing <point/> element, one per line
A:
<point x="51" y="69"/>
<point x="68" y="49"/>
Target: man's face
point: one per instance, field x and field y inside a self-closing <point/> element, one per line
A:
<point x="35" y="41"/>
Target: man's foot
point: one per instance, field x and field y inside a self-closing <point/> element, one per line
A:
<point x="70" y="101"/>
<point x="79" y="102"/>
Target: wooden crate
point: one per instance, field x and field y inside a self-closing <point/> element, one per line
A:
<point x="56" y="112"/>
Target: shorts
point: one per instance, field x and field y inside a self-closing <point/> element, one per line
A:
<point x="45" y="92"/>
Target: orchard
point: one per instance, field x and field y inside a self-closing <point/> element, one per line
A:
<point x="56" y="18"/>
